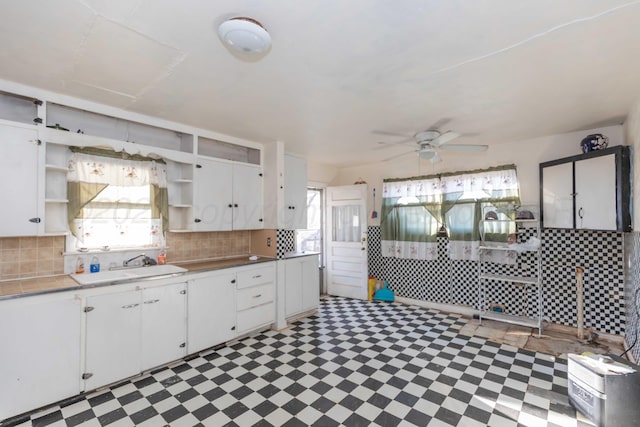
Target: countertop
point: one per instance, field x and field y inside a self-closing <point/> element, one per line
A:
<point x="289" y="255"/>
<point x="17" y="288"/>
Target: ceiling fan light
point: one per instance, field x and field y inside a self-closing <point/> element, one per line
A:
<point x="427" y="154"/>
<point x="244" y="35"/>
<point x="427" y="135"/>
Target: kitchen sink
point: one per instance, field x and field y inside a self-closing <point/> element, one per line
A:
<point x="126" y="274"/>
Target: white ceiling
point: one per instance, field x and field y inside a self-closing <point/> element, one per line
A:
<point x="340" y="73"/>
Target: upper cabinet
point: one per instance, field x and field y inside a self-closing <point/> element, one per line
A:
<point x="19" y="177"/>
<point x="589" y="191"/>
<point x="285" y="189"/>
<point x="295" y="193"/>
<point x="227" y="196"/>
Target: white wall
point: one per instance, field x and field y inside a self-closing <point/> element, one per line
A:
<point x="632" y="138"/>
<point x="526" y="155"/>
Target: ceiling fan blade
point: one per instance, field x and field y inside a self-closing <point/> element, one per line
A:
<point x="399" y="155"/>
<point x="463" y="147"/>
<point x="385" y="133"/>
<point x="440" y="123"/>
<point x="444" y="138"/>
<point x="384" y="144"/>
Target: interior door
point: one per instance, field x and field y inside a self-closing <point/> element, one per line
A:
<point x="347" y="272"/>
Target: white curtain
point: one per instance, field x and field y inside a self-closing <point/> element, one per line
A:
<point x="346" y="223"/>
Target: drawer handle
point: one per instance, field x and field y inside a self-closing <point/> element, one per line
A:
<point x="257" y="296"/>
<point x="152" y="301"/>
<point x="130" y="306"/>
<point x="257" y="277"/>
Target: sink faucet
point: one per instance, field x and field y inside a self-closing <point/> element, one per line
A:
<point x="145" y="260"/>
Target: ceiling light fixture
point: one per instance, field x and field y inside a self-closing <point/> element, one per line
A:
<point x="245" y="36"/>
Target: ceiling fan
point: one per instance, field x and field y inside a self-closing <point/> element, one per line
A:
<point x="430" y="141"/>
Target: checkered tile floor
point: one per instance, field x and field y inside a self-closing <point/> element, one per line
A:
<point x="355" y="364"/>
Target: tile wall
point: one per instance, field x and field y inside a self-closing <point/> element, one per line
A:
<point x="632" y="291"/>
<point x="601" y="254"/>
<point x="205" y="245"/>
<point x="22" y="257"/>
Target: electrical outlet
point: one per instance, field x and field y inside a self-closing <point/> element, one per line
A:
<point x="268" y="242"/>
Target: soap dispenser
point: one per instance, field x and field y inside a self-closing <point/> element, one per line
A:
<point x="79" y="265"/>
<point x="94" y="267"/>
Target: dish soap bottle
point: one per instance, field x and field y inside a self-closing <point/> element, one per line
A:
<point x="79" y="265"/>
<point x="94" y="267"/>
<point x="162" y="257"/>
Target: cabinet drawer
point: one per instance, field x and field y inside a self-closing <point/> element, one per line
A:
<point x="256" y="276"/>
<point x="256" y="317"/>
<point x="253" y="297"/>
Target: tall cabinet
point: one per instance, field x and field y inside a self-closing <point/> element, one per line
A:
<point x="511" y="267"/>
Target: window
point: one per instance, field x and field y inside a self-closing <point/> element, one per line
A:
<point x="310" y="239"/>
<point x="415" y="210"/>
<point x="116" y="202"/>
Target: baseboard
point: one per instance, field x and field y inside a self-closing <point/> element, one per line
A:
<point x="450" y="308"/>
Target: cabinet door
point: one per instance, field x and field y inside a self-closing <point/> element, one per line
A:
<point x="557" y="196"/>
<point x="19" y="180"/>
<point x="113" y="338"/>
<point x="295" y="193"/>
<point x="596" y="193"/>
<point x="310" y="283"/>
<point x="212" y="311"/>
<point x="247" y="197"/>
<point x="40" y="353"/>
<point x="164" y="324"/>
<point x="212" y="196"/>
<point x="293" y="287"/>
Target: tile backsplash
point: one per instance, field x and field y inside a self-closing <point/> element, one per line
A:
<point x="23" y="257"/>
<point x="31" y="256"/>
<point x="205" y="245"/>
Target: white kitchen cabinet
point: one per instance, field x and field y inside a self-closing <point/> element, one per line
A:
<point x="41" y="352"/>
<point x="227" y="196"/>
<point x="589" y="191"/>
<point x="295" y="192"/>
<point x="301" y="284"/>
<point x="255" y="297"/>
<point x="247" y="197"/>
<point x="213" y="208"/>
<point x="211" y="310"/>
<point x="19" y="177"/>
<point x="164" y="324"/>
<point x="133" y="330"/>
<point x="595" y="193"/>
<point x="113" y="347"/>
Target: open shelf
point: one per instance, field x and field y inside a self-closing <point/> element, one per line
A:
<point x="525" y="269"/>
<point x="510" y="318"/>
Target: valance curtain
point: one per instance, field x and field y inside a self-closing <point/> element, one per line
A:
<point x="92" y="170"/>
<point x="413" y="210"/>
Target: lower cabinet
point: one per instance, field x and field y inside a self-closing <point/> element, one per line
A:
<point x="41" y="349"/>
<point x="132" y="331"/>
<point x="164" y="324"/>
<point x="301" y="284"/>
<point x="255" y="298"/>
<point x="49" y="354"/>
<point x="113" y="338"/>
<point x="212" y="310"/>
